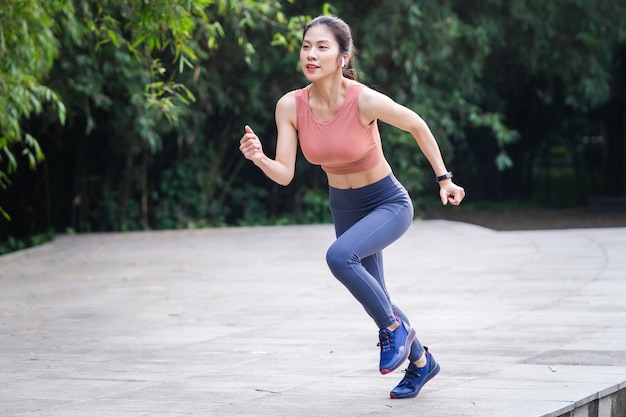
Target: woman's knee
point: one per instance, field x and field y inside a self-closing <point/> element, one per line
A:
<point x="339" y="260"/>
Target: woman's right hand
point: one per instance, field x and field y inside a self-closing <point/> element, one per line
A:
<point x="250" y="145"/>
<point x="282" y="168"/>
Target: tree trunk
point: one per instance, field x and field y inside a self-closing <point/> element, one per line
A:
<point x="144" y="186"/>
<point x="615" y="131"/>
<point x="128" y="175"/>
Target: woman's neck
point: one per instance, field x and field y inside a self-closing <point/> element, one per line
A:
<point x="327" y="92"/>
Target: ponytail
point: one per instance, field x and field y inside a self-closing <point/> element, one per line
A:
<point x="348" y="70"/>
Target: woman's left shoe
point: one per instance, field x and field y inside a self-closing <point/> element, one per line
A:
<point x="415" y="378"/>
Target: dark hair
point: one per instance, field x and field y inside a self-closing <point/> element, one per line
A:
<point x="343" y="35"/>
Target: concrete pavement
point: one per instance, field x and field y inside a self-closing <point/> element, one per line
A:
<point x="250" y="322"/>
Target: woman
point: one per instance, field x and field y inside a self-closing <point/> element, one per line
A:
<point x="334" y="119"/>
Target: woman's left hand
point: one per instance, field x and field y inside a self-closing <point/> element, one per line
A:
<point x="451" y="193"/>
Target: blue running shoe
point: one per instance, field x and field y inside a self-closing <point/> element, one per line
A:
<point x="415" y="378"/>
<point x="394" y="347"/>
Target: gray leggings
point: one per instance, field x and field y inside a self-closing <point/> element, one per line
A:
<point x="367" y="220"/>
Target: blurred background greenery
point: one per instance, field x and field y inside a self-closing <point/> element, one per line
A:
<point x="120" y="115"/>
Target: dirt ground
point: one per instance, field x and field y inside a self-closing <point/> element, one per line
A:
<point x="527" y="218"/>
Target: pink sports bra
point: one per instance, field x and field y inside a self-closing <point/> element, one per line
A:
<point x="343" y="145"/>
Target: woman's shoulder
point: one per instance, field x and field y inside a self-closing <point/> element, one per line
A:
<point x="372" y="103"/>
<point x="365" y="90"/>
<point x="286" y="107"/>
<point x="288" y="100"/>
<point x="365" y="94"/>
<point x="290" y="97"/>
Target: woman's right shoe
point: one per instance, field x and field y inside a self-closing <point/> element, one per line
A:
<point x="395" y="346"/>
<point x="415" y="378"/>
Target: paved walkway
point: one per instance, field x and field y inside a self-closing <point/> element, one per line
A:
<point x="249" y="322"/>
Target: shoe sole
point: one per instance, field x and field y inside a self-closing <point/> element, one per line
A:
<point x="407" y="349"/>
<point x="430" y="376"/>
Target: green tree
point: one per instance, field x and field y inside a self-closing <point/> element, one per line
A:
<point x="156" y="94"/>
<point x="142" y="79"/>
<point x="28" y="47"/>
<point x="550" y="72"/>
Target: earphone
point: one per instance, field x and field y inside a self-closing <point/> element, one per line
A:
<point x="343" y="62"/>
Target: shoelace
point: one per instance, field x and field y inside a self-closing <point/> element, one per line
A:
<point x="409" y="374"/>
<point x="385" y="337"/>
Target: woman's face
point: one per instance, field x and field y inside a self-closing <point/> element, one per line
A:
<point x="319" y="54"/>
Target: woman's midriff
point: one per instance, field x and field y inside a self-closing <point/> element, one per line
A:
<point x="360" y="179"/>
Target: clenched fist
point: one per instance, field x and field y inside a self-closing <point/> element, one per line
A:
<point x="250" y="145"/>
